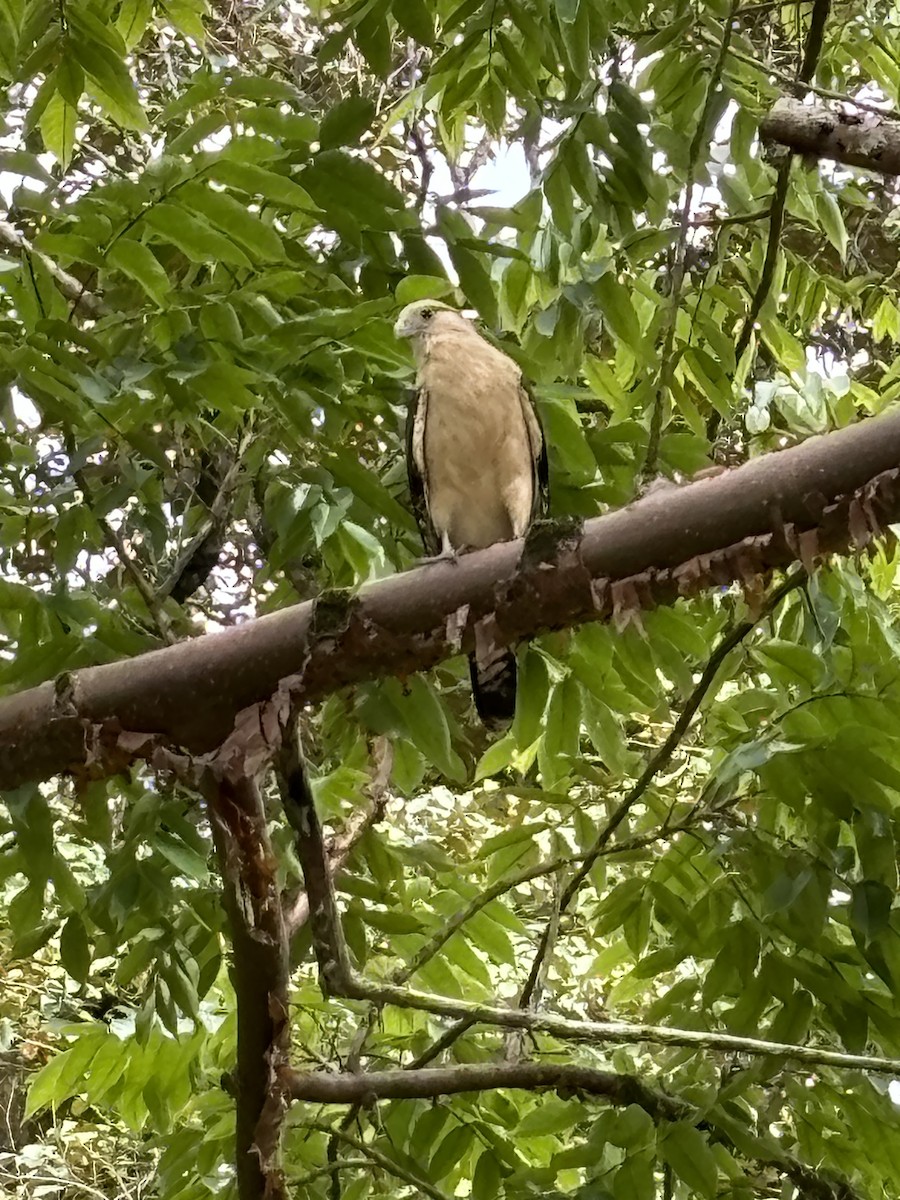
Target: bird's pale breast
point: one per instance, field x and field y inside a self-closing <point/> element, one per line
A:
<point x="477" y="457"/>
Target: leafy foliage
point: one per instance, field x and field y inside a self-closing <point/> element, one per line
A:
<point x="213" y="222"/>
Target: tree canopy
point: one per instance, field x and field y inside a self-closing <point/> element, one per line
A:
<point x="643" y="944"/>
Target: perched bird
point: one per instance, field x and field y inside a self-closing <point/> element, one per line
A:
<point x="476" y="459"/>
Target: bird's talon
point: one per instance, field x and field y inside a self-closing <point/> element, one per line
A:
<point x="445" y="556"/>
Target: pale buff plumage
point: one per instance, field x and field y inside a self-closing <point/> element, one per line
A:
<point x="477" y="465"/>
<point x="475" y="437"/>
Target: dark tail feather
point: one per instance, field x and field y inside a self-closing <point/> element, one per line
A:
<point x="494" y="688"/>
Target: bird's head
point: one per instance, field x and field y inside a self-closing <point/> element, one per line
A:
<point x="416" y="318"/>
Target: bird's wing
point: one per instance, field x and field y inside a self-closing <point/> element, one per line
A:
<point x="415" y="467"/>
<point x="540" y="471"/>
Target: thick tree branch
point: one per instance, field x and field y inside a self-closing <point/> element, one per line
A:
<point x="261" y="974"/>
<point x="827" y="495"/>
<point x="866" y="141"/>
<point x="321" y="1087"/>
<point x="618" y="1089"/>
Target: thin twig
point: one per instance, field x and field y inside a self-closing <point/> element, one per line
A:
<point x="811" y="52"/>
<point x="668" y="359"/>
<point x="609" y="1032"/>
<point x="661" y="758"/>
<point x="799" y="88"/>
<point x="116" y="541"/>
<point x="382" y="1160"/>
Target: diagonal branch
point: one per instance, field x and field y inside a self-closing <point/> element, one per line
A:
<point x="381" y="1160"/>
<point x="660" y="759"/>
<point x="341" y="845"/>
<point x="71" y="288"/>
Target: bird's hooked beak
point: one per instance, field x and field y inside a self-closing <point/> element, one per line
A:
<point x="404" y="326"/>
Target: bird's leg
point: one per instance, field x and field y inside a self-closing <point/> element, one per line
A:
<point x="447" y="554"/>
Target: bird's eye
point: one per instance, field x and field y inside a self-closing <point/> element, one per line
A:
<point x="426" y="314"/>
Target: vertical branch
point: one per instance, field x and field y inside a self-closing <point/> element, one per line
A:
<point x="116" y="541"/>
<point x="324" y="917"/>
<point x="811" y="52"/>
<point x="668" y="359"/>
<point x="260" y="973"/>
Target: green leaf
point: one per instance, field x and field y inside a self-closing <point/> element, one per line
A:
<point x="870" y="908"/>
<point x="339" y="182"/>
<point x="454" y="1147"/>
<point x="140" y="263"/>
<point x="415" y="19"/>
<point x="486" y="1179"/>
<point x="345" y="124"/>
<point x="260" y="181"/>
<point x="192" y="236"/>
<point x="64" y="1074"/>
<point x="496" y="758"/>
<point x="391" y="922"/>
<point x="490" y="936"/>
<point x="186" y="16"/>
<point x="11" y="15"/>
<point x="474" y="277"/>
<point x="550" y="1116"/>
<point x="634" y="1179"/>
<point x="616" y="306"/>
<point x="687" y="1152"/>
<point x="424" y="717"/>
<point x="421" y="287"/>
<point x="74" y="948"/>
<point x="69" y="79"/>
<point x="567" y="10"/>
<point x="219" y="322"/>
<point x="113" y="86"/>
<point x="134" y="20"/>
<point x="184" y="858"/>
<point x="234" y="219"/>
<point x="797" y="661"/>
<point x="58" y="129"/>
<point x="829" y="213"/>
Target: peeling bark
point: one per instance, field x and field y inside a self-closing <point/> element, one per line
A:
<point x="843" y="487"/>
<point x="260" y="974"/>
<point x="859" y="139"/>
<point x="260" y="960"/>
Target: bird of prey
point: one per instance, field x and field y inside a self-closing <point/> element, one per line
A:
<point x="476" y="459"/>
